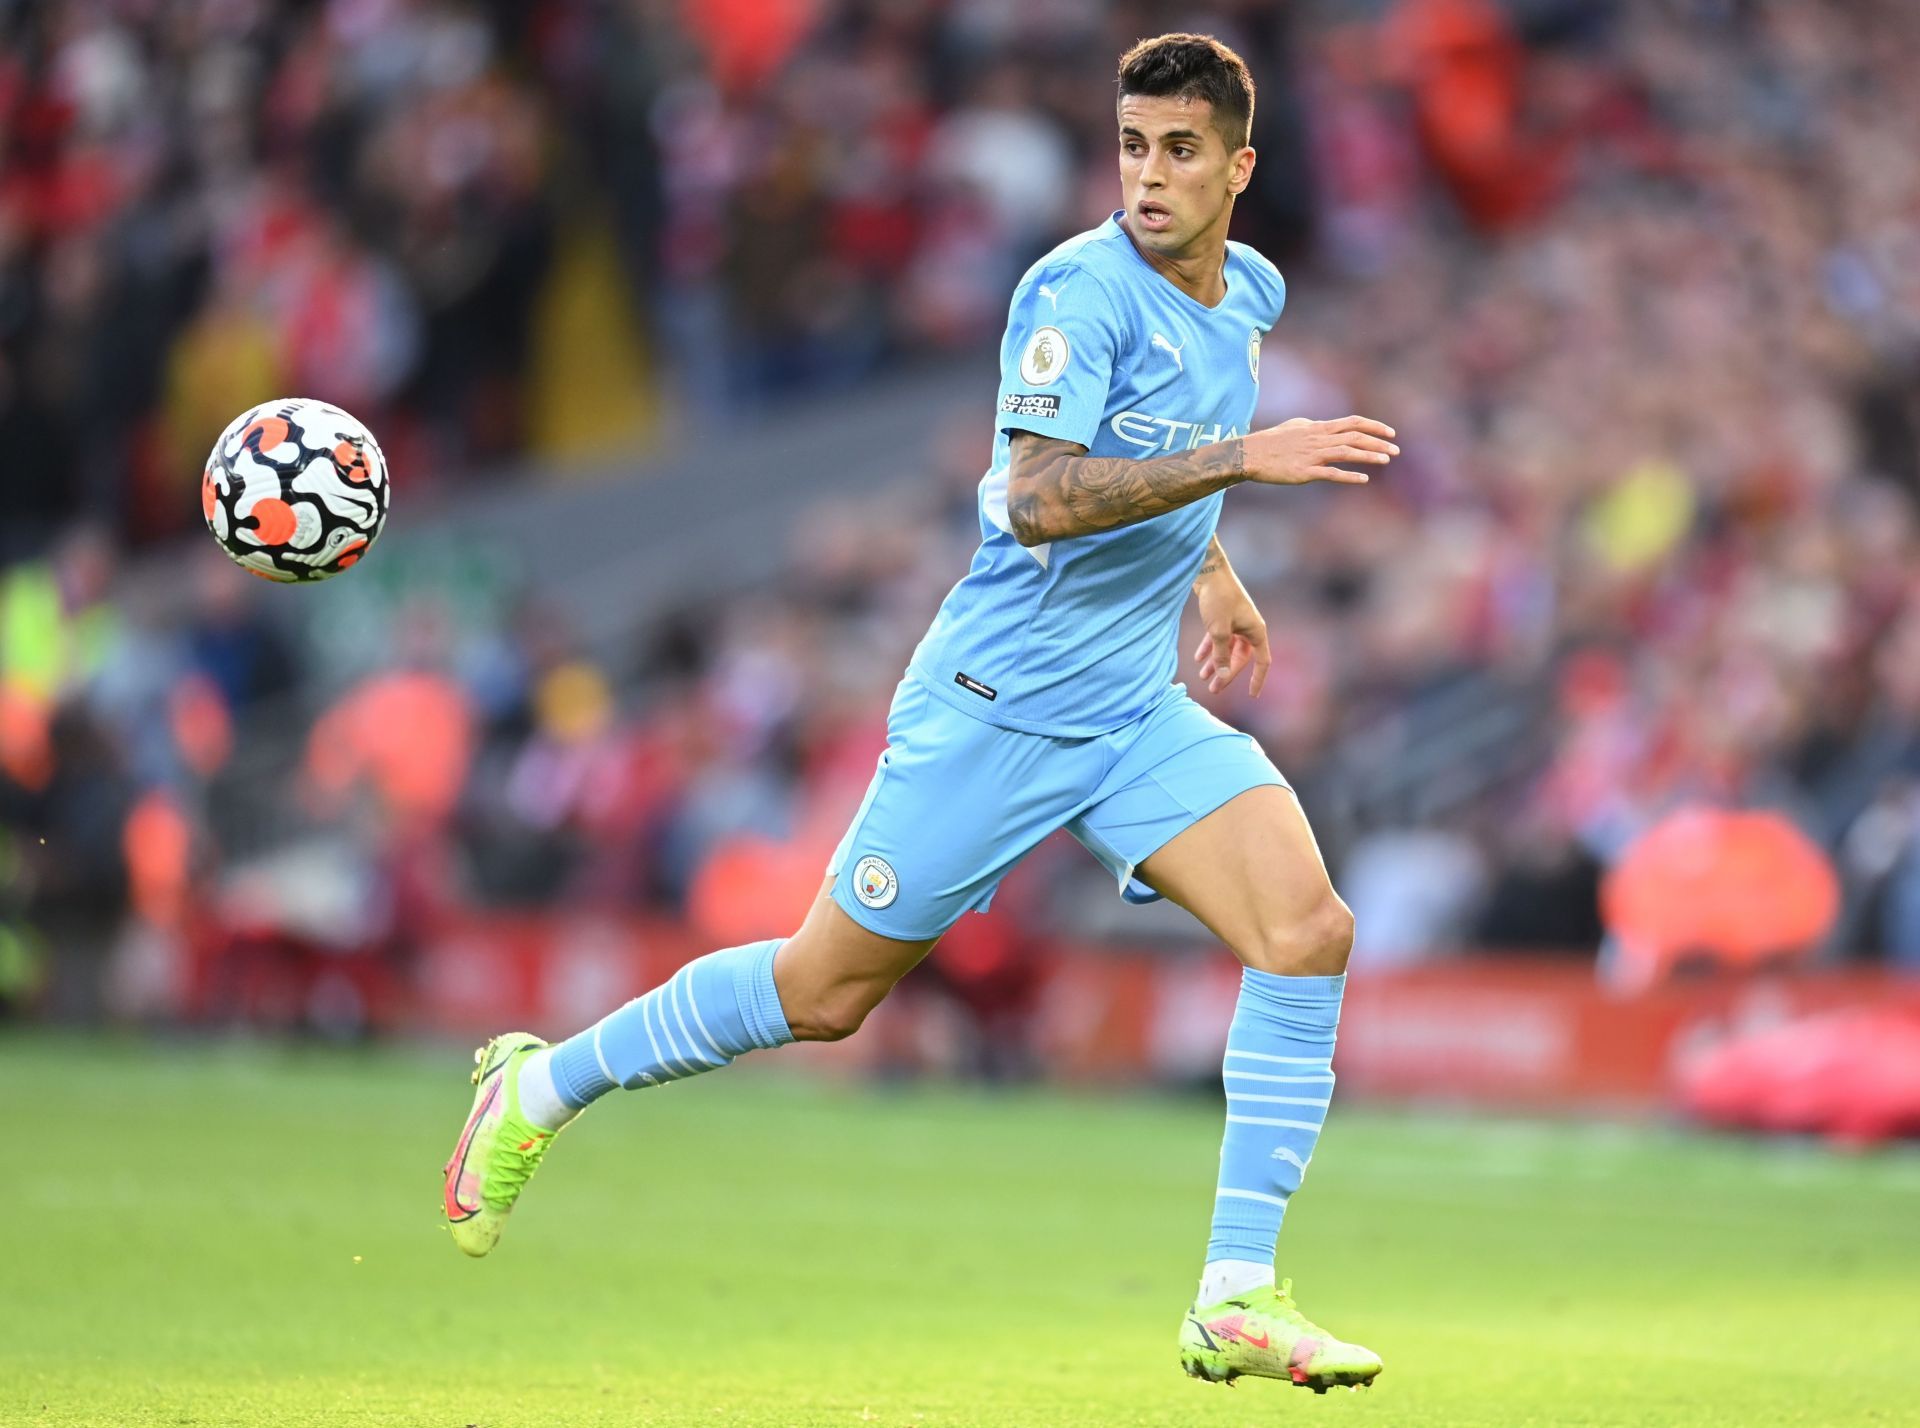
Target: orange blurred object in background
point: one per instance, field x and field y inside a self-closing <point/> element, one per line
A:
<point x="748" y="40"/>
<point x="158" y="844"/>
<point x="1738" y="887"/>
<point x="408" y="735"/>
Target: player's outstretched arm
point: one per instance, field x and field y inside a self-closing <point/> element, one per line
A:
<point x="1056" y="491"/>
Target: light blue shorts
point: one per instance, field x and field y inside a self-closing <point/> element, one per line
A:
<point x="956" y="802"/>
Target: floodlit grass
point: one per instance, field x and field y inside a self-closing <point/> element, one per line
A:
<point x="215" y="1236"/>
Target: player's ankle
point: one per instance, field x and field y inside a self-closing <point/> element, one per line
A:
<point x="540" y="1098"/>
<point x="1224" y="1278"/>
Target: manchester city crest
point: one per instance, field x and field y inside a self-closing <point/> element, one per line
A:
<point x="874" y="882"/>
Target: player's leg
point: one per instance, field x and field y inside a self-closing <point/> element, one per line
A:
<point x="1198" y="814"/>
<point x="918" y="854"/>
<point x="1252" y="873"/>
<point x="817" y="985"/>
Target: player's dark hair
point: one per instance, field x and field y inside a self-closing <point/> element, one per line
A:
<point x="1183" y="66"/>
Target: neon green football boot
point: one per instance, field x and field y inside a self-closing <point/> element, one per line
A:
<point x="1263" y="1334"/>
<point x="498" y="1150"/>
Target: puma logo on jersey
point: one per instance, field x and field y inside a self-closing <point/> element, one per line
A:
<point x="1171" y="350"/>
<point x="1052" y="295"/>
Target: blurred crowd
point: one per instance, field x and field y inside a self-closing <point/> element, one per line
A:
<point x="1658" y="367"/>
<point x="206" y="204"/>
<point x="392" y="205"/>
<point x="1634" y="281"/>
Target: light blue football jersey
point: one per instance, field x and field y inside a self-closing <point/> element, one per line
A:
<point x="1077" y="638"/>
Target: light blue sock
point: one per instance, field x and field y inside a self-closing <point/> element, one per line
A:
<point x="1279" y="1078"/>
<point x="707" y="1013"/>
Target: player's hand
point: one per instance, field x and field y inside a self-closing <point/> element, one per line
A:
<point x="1236" y="636"/>
<point x="1299" y="451"/>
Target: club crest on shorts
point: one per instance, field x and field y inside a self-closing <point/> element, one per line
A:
<point x="874" y="882"/>
<point x="1253" y="353"/>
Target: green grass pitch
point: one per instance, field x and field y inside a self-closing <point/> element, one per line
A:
<point x="218" y="1236"/>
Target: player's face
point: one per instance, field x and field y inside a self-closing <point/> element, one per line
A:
<point x="1177" y="174"/>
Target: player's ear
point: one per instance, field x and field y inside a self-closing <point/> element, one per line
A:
<point x="1240" y="170"/>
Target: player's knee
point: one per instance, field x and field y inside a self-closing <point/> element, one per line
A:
<point x="832" y="1015"/>
<point x="1314" y="945"/>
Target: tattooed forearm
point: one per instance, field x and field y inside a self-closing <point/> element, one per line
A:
<point x="1055" y="490"/>
<point x="1213" y="562"/>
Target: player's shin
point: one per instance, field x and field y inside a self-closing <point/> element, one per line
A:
<point x="1278" y="1072"/>
<point x="710" y="1011"/>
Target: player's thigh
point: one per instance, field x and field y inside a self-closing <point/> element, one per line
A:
<point x="1171" y="770"/>
<point x="954" y="804"/>
<point x="1252" y="873"/>
<point x="833" y="971"/>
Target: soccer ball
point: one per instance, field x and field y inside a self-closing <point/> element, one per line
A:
<point x="295" y="490"/>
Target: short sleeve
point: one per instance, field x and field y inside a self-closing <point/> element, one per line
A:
<point x="1269" y="286"/>
<point x="1056" y="361"/>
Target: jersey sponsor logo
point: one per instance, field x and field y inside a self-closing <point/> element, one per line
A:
<point x="875" y="883"/>
<point x="1046" y="357"/>
<point x="1164" y="345"/>
<point x="1253" y="353"/>
<point x="1029" y="404"/>
<point x="1052" y="295"/>
<point x="974" y="686"/>
<point x="1158" y="433"/>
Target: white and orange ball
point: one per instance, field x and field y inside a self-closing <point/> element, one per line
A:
<point x="295" y="490"/>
